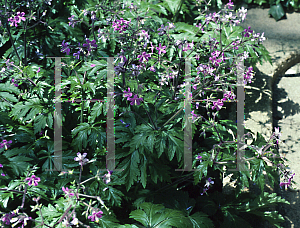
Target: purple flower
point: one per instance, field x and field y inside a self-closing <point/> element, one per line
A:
<point x="248" y="76"/>
<point x="89" y="44"/>
<point x="65" y="48"/>
<point x="95" y="216"/>
<point x="127" y="93"/>
<point x="189" y="46"/>
<point x="1" y="165"/>
<point x="229" y="4"/>
<point x="2" y="174"/>
<point x="162" y="29"/>
<point x="20" y="16"/>
<point x="135" y="100"/>
<point x="67" y="191"/>
<point x="217" y="104"/>
<point x="287" y="183"/>
<point x="92" y="65"/>
<point x="136" y="69"/>
<point x="161" y="49"/>
<point x="152" y="68"/>
<point x="17" y="19"/>
<point x="152" y="47"/>
<point x="8" y="64"/>
<point x="33" y="180"/>
<point x="81" y="158"/>
<point x="194" y="115"/>
<point x="228" y="95"/>
<point x="72" y="21"/>
<point x="39" y="70"/>
<point x="107" y="177"/>
<point x="7" y="217"/>
<point x="208" y="182"/>
<point x="5" y="144"/>
<point x="248" y="32"/>
<point x="77" y="54"/>
<point x="144" y="57"/>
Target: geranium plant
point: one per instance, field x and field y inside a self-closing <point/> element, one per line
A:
<point x="150" y="119"/>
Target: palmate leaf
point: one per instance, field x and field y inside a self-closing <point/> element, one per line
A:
<point x="114" y="196"/>
<point x="108" y="221"/>
<point x="131" y="169"/>
<point x="152" y="8"/>
<point x="200" y="220"/>
<point x="156" y="215"/>
<point x="6" y="94"/>
<point x="20" y="110"/>
<point x="93" y="69"/>
<point x="85" y="134"/>
<point x="172" y="5"/>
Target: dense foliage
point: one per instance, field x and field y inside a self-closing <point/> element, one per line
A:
<point x="278" y="8"/>
<point x="147" y="191"/>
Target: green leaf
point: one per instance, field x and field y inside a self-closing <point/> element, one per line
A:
<point x="201" y="220"/>
<point x="156" y="215"/>
<point x="173" y="5"/>
<point x="260" y="2"/>
<point x="277" y="11"/>
<point x="184" y="27"/>
<point x="108" y="221"/>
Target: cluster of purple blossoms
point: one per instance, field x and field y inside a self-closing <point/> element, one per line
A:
<point x="89" y="45"/>
<point x="136" y="69"/>
<point x="7" y="217"/>
<point x="214" y="57"/>
<point x="135" y="100"/>
<point x="287" y="182"/>
<point x="248" y="76"/>
<point x="235" y="44"/>
<point x="120" y="68"/>
<point x="228" y="95"/>
<point x="17" y="19"/>
<point x="188" y="46"/>
<point x="247" y="32"/>
<point x="120" y="25"/>
<point x="144" y="36"/>
<point x="205" y="69"/>
<point x="215" y="18"/>
<point x="72" y="21"/>
<point x="5" y="144"/>
<point x="163" y="29"/>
